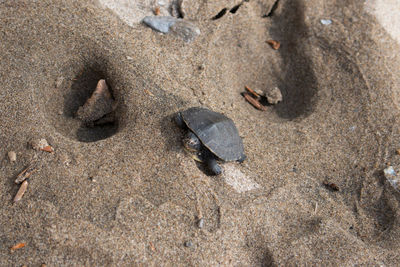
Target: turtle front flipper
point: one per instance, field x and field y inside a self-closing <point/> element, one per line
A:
<point x="212" y="164"/>
<point x="179" y="120"/>
<point x="242" y="158"/>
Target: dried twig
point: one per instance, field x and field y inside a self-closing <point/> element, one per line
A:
<point x="152" y="247"/>
<point x="26" y="173"/>
<point x="274" y="44"/>
<point x="254" y="102"/>
<point x="254" y="93"/>
<point x="17" y="246"/>
<point x="148" y="92"/>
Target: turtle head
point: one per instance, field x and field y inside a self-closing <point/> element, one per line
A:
<point x="192" y="142"/>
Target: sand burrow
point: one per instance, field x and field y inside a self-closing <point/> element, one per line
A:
<point x="73" y="89"/>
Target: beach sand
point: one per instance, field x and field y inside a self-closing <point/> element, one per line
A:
<point x="128" y="194"/>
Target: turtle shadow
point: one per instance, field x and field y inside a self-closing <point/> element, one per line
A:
<point x="204" y="169"/>
<point x="298" y="84"/>
<point x="171" y="132"/>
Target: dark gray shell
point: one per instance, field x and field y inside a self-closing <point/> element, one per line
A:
<point x="217" y="132"/>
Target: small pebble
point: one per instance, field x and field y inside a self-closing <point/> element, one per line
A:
<point x="274" y="96"/>
<point x="259" y="92"/>
<point x="59" y="81"/>
<point x="12" y="156"/>
<point x="389" y="172"/>
<point x="188" y="244"/>
<point x="326" y="21"/>
<point x="65" y="159"/>
<point x="392" y="178"/>
<point x="160" y="23"/>
<point x="200" y="223"/>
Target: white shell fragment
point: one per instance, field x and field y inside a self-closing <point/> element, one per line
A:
<point x="39" y="144"/>
<point x="391" y="177"/>
<point x="12" y="156"/>
<point x="181" y="28"/>
<point x="326" y="21"/>
<point x="21" y="191"/>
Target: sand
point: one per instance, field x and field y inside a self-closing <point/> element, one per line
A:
<point x="127" y="194"/>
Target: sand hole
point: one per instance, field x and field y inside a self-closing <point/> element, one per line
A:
<point x="73" y="89"/>
<point x="235" y="8"/>
<point x="82" y="88"/>
<point x="220" y="14"/>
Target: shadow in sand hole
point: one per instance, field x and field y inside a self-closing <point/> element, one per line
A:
<point x="298" y="83"/>
<point x="82" y="88"/>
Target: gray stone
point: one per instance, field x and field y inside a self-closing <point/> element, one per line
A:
<point x="274" y="96"/>
<point x="188" y="244"/>
<point x="200" y="223"/>
<point x="179" y="27"/>
<point x="185" y="30"/>
<point x="160" y="23"/>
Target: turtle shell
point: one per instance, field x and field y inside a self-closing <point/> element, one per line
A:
<point x="217" y="132"/>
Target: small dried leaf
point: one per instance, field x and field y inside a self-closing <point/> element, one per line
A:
<point x="274" y="44"/>
<point x="254" y="102"/>
<point x="21" y="191"/>
<point x="48" y="149"/>
<point x="152" y="247"/>
<point x="17" y="246"/>
<point x="157" y="11"/>
<point x="148" y="92"/>
<point x="331" y="186"/>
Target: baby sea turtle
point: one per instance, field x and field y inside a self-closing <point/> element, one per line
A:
<point x="212" y="136"/>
